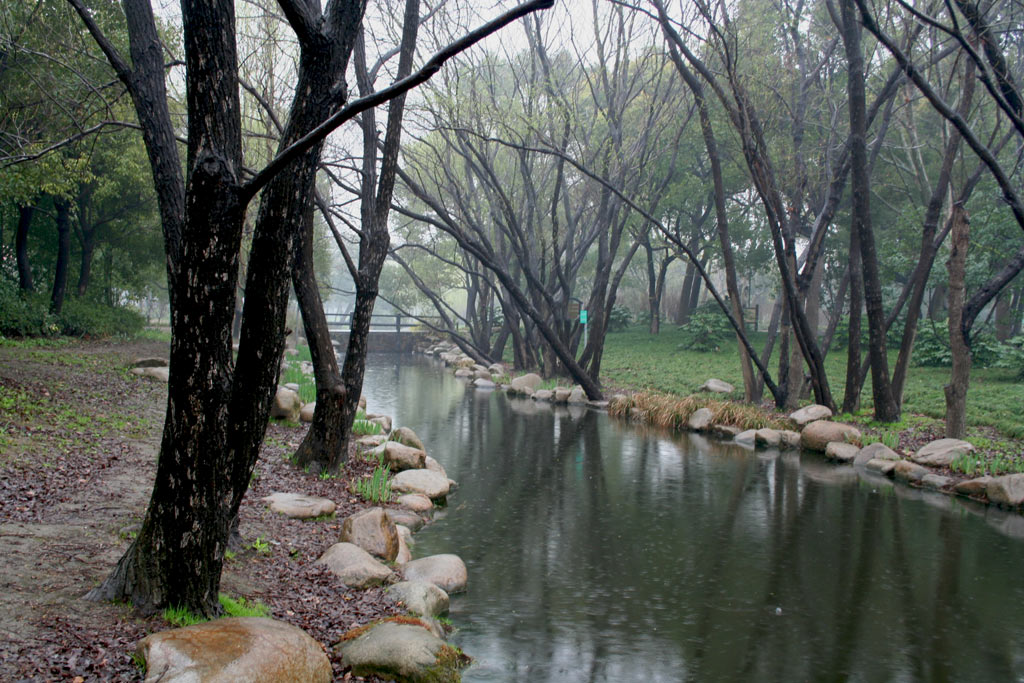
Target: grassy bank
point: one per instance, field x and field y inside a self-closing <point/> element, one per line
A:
<point x="635" y="359"/>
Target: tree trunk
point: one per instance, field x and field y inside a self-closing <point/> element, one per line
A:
<point x="683" y="309"/>
<point x="325" y="446"/>
<point x="851" y="395"/>
<point x="85" y="268"/>
<point x="956" y="390"/>
<point x="1004" y="324"/>
<point x="886" y="407"/>
<point x="60" y="274"/>
<point x="21" y="247"/>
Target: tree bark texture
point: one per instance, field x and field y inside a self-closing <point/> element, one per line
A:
<point x="886" y="408"/>
<point x="960" y="374"/>
<point x="25" y="213"/>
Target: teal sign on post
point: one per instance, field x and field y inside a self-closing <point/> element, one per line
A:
<point x="583" y="317"/>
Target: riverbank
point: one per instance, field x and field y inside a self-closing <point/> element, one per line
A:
<point x="636" y="361"/>
<point x="78" y="441"/>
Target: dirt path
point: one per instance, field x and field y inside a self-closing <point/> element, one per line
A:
<point x="78" y="442"/>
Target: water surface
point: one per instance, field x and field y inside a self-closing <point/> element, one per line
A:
<point x="602" y="551"/>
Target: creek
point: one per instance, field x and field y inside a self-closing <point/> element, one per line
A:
<point x="604" y="551"/>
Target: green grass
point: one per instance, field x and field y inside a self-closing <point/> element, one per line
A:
<point x="375" y="488"/>
<point x="636" y="359"/>
<point x="363" y="427"/>
<point x="240" y="607"/>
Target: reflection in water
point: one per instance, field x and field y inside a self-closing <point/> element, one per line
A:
<point x="599" y="551"/>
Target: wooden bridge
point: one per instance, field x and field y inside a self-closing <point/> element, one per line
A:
<point x="388" y="333"/>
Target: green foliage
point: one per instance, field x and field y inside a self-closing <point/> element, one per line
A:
<point x="363" y="427"/>
<point x="24" y="314"/>
<point x="993" y="464"/>
<point x="1012" y="356"/>
<point x="27" y="315"/>
<point x="376" y="488"/>
<point x="887" y="438"/>
<point x="261" y="546"/>
<point x="706" y="330"/>
<point x="932" y="350"/>
<point x="81" y="318"/>
<point x="242" y="607"/>
<point x="619" y="319"/>
<point x="181" y="616"/>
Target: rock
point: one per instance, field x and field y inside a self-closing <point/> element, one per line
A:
<point x="561" y="395"/>
<point x="717" y="386"/>
<point x="598" y="405"/>
<point x="373" y="531"/>
<point x="406" y="518"/>
<point x="407" y="437"/>
<point x="383" y="420"/>
<point x="306" y="414"/>
<point x="291" y="385"/>
<point x="420" y="597"/>
<point x="430" y="484"/>
<point x="404" y="533"/>
<point x="725" y="431"/>
<point x="904" y="470"/>
<point x="362" y="403"/>
<point x="481" y="383"/>
<point x="875" y="450"/>
<point x="810" y="414"/>
<point x="530" y="381"/>
<point x="700" y="419"/>
<point x="355" y="567"/>
<point x="790" y="439"/>
<point x="299" y="506"/>
<point x="434" y="466"/>
<point x="497" y="369"/>
<point x="940" y="453"/>
<point x="543" y="395"/>
<point x="371" y="441"/>
<point x="747" y="438"/>
<point x="447" y="572"/>
<point x="404" y="555"/>
<point x="400" y="457"/>
<point x="234" y="649"/>
<point x="973" y="487"/>
<point x="159" y="374"/>
<point x="401" y="652"/>
<point x="935" y="481"/>
<point x="577" y="396"/>
<point x="148" y="363"/>
<point x="817" y="435"/>
<point x="1005" y="490"/>
<point x="286" y="405"/>
<point x="464" y="373"/>
<point x="416" y="502"/>
<point x="880" y="466"/>
<point x="767" y="437"/>
<point x="843" y="452"/>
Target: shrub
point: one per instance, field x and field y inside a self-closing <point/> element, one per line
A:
<point x="81" y="317"/>
<point x="619" y="319"/>
<point x="931" y="348"/>
<point x="24" y="314"/>
<point x="707" y="329"/>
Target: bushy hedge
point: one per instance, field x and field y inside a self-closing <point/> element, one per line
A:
<point x="707" y="329"/>
<point x="28" y="315"/>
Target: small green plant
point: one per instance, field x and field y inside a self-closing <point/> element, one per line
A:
<point x="327" y="476"/>
<point x="230" y="555"/>
<point x="242" y="607"/>
<point x="261" y="546"/>
<point x="887" y="438"/>
<point x="366" y="428"/>
<point x="181" y="616"/>
<point x="706" y="330"/>
<point x="139" y="661"/>
<point x="376" y="488"/>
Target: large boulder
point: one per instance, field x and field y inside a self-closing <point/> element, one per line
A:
<point x="1006" y="490"/>
<point x="561" y="395"/>
<point x="307" y="412"/>
<point x="407" y="437"/>
<point x="400" y="457"/>
<point x="373" y="531"/>
<point x="905" y="470"/>
<point x="940" y="453"/>
<point x="875" y="451"/>
<point x="484" y="383"/>
<point x="717" y="386"/>
<point x="234" y="649"/>
<point x="148" y="363"/>
<point x="431" y="484"/>
<point x="746" y="438"/>
<point x="700" y="420"/>
<point x="973" y="487"/>
<point x="817" y="435"/>
<point x="527" y="383"/>
<point x="768" y="438"/>
<point x="286" y="405"/>
<point x="383" y="420"/>
<point x="843" y="452"/>
<point x="406" y="518"/>
<point x="400" y="652"/>
<point x="810" y="414"/>
<point x="416" y="502"/>
<point x="420" y="597"/>
<point x="577" y="396"/>
<point x="447" y="572"/>
<point x="543" y="395"/>
<point x="355" y="567"/>
<point x="160" y="374"/>
<point x="299" y="505"/>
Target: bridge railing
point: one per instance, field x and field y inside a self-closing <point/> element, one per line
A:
<point x="382" y="322"/>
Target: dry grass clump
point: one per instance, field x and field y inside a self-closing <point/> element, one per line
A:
<point x="673" y="412"/>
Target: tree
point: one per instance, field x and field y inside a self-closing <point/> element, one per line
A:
<point x="217" y="406"/>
